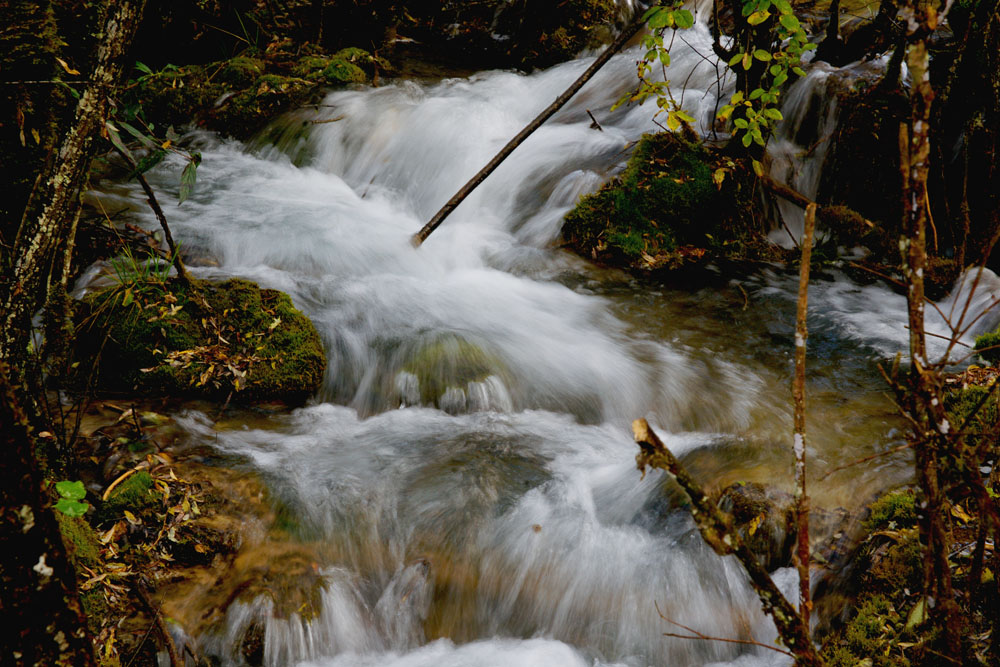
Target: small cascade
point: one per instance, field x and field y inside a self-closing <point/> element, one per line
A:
<point x="468" y="467"/>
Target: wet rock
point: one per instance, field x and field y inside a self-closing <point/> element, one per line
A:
<point x="765" y="519"/>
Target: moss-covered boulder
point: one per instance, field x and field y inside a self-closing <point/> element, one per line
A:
<point x="676" y="203"/>
<point x="237" y="97"/>
<point x="444" y="373"/>
<point x="231" y="338"/>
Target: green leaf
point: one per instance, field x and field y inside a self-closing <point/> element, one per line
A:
<point x="756" y="93"/>
<point x="665" y="58"/>
<point x="737" y="97"/>
<point x="128" y="298"/>
<point x="775" y="69"/>
<point x="71" y="490"/>
<point x="652" y="11"/>
<point x="116" y="140"/>
<point x="735" y="59"/>
<point x="71" y="507"/>
<point x="783" y="6"/>
<point x="684" y="116"/>
<point x="741" y="123"/>
<point x="684" y="18"/>
<point x="747" y="140"/>
<point x="148" y="162"/>
<point x="758" y="168"/>
<point x="758" y="17"/>
<point x="799" y="71"/>
<point x="188" y="178"/>
<point x="773" y="113"/>
<point x="662" y="19"/>
<point x="781" y="78"/>
<point x="747" y="60"/>
<point x="672" y="121"/>
<point x="789" y="22"/>
<point x="142" y="67"/>
<point x="762" y="55"/>
<point x="917" y="615"/>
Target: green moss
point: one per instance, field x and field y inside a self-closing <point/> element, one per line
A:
<point x="900" y="566"/>
<point x="250" y="341"/>
<point x="664" y="205"/>
<point x="962" y="405"/>
<point x="80" y="541"/>
<point x="240" y="72"/>
<point x="449" y="362"/>
<point x="988" y="346"/>
<point x="896" y="509"/>
<point x="174" y="97"/>
<point x="343" y="71"/>
<point x="133" y="494"/>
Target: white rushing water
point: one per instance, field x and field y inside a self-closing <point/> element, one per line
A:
<point x="468" y="461"/>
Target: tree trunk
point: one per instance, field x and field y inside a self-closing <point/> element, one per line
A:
<point x="53" y="204"/>
<point x="41" y="622"/>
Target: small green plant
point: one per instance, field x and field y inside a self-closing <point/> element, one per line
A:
<point x="71" y="501"/>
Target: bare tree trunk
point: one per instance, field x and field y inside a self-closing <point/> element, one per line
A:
<point x="41" y="622"/>
<point x="799" y="399"/>
<point x="923" y="392"/>
<point x="52" y="207"/>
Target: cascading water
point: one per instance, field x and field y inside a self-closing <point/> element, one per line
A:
<point x="468" y="466"/>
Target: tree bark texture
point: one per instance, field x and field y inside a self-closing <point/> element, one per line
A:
<point x="52" y="206"/>
<point x="803" y="558"/>
<point x="41" y="622"/>
<point x="923" y="393"/>
<point x="716" y="528"/>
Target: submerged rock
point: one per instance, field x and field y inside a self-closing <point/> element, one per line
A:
<point x="160" y="339"/>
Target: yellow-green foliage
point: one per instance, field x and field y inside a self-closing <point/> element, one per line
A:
<point x="133" y="494"/>
<point x="252" y="342"/>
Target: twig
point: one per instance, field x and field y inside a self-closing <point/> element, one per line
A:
<point x="865" y="460"/>
<point x="699" y="635"/>
<point x="595" y="125"/>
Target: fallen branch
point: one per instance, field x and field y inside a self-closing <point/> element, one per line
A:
<point x="797" y="197"/>
<point x="467" y="189"/>
<point x="716" y="528"/>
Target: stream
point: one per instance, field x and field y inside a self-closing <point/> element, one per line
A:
<point x="468" y="464"/>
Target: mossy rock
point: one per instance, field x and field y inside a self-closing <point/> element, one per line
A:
<point x="176" y="96"/>
<point x="249" y="343"/>
<point x="988" y="347"/>
<point x="133" y="494"/>
<point x="449" y="364"/>
<point x="666" y="209"/>
<point x="241" y="71"/>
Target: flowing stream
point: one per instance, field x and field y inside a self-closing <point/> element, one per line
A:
<point x="468" y="463"/>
